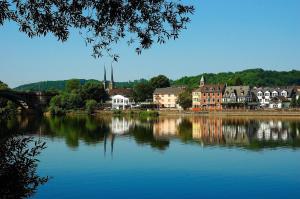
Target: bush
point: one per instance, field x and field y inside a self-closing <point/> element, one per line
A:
<point x="90" y="106"/>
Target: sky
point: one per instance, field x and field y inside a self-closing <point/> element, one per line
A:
<point x="224" y="35"/>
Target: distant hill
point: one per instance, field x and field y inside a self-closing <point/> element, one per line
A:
<point x="59" y="85"/>
<point x="252" y="77"/>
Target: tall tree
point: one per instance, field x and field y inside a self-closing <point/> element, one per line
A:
<point x="72" y="84"/>
<point x="185" y="100"/>
<point x="142" y="92"/>
<point x="160" y="81"/>
<point x="101" y="23"/>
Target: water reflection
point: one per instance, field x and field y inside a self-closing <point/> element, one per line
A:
<point x="249" y="133"/>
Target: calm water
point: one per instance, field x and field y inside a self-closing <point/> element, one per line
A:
<point x="169" y="157"/>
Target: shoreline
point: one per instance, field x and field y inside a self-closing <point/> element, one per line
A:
<point x="256" y="113"/>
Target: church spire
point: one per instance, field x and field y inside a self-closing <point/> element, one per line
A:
<point x="112" y="74"/>
<point x="202" y="81"/>
<point x="104" y="79"/>
<point x="111" y="83"/>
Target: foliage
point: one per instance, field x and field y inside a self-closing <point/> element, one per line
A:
<point x="142" y="92"/>
<point x="3" y="86"/>
<point x="18" y="165"/>
<point x="185" y="100"/>
<point x="252" y="77"/>
<point x="72" y="84"/>
<point x="65" y="101"/>
<point x="101" y="23"/>
<point x="90" y="106"/>
<point x="93" y="90"/>
<point x="160" y="81"/>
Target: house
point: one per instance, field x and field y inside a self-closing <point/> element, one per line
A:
<point x="279" y="102"/>
<point x="264" y="95"/>
<point x="121" y="98"/>
<point x="237" y="96"/>
<point x="297" y="92"/>
<point x="207" y="97"/>
<point x="167" y="97"/>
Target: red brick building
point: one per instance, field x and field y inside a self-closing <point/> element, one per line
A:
<point x="208" y="96"/>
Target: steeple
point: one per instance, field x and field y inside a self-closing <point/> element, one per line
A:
<point x="104" y="79"/>
<point x="111" y="83"/>
<point x="202" y="81"/>
<point x="112" y="74"/>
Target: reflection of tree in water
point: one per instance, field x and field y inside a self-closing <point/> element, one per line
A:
<point x="18" y="165"/>
<point x="88" y="129"/>
<point x="143" y="134"/>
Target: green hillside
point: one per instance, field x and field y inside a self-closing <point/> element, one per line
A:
<point x="252" y="77"/>
<point x="59" y="85"/>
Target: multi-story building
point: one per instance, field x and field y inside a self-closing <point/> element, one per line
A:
<point x="207" y="97"/>
<point x="167" y="97"/>
<point x="237" y="96"/>
<point x="264" y="95"/>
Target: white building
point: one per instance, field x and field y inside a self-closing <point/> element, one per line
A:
<point x="265" y="95"/>
<point x="120" y="102"/>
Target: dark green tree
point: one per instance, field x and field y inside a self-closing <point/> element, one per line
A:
<point x="90" y="106"/>
<point x="142" y="92"/>
<point x="72" y="84"/>
<point x="293" y="102"/>
<point x="160" y="81"/>
<point x="185" y="100"/>
<point x="3" y="86"/>
<point x="238" y="81"/>
<point x="93" y="90"/>
<point x="101" y="23"/>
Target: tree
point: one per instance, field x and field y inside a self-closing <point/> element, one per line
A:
<point x="185" y="100"/>
<point x="72" y="84"/>
<point x="293" y="102"/>
<point x="93" y="90"/>
<point x="90" y="106"/>
<point x="142" y="92"/>
<point x="3" y="86"/>
<point x="160" y="81"/>
<point x="18" y="166"/>
<point x="238" y="81"/>
<point x="101" y="23"/>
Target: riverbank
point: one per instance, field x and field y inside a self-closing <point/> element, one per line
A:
<point x="151" y="113"/>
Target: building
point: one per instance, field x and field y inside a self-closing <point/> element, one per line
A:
<point x="279" y="102"/>
<point x="264" y="95"/>
<point x="167" y="97"/>
<point x="207" y="97"/>
<point x="297" y="90"/>
<point x="108" y="85"/>
<point x="237" y="97"/>
<point x="121" y="98"/>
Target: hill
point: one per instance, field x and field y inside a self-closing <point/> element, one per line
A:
<point x="59" y="85"/>
<point x="252" y="77"/>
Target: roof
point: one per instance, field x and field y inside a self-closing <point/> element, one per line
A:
<point x="211" y="88"/>
<point x="169" y="90"/>
<point x="121" y="91"/>
<point x="289" y="89"/>
<point x="279" y="99"/>
<point x="237" y="90"/>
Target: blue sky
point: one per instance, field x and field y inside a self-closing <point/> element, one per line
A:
<point x="224" y="35"/>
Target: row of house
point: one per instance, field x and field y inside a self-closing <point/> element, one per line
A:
<point x="207" y="96"/>
<point x="221" y="96"/>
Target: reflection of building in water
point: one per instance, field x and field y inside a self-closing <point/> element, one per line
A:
<point x="166" y="127"/>
<point x="272" y="130"/>
<point x="120" y="126"/>
<point x="235" y="134"/>
<point x="208" y="129"/>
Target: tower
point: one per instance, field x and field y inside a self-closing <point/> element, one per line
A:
<point x="111" y="83"/>
<point x="202" y="81"/>
<point x="104" y="79"/>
